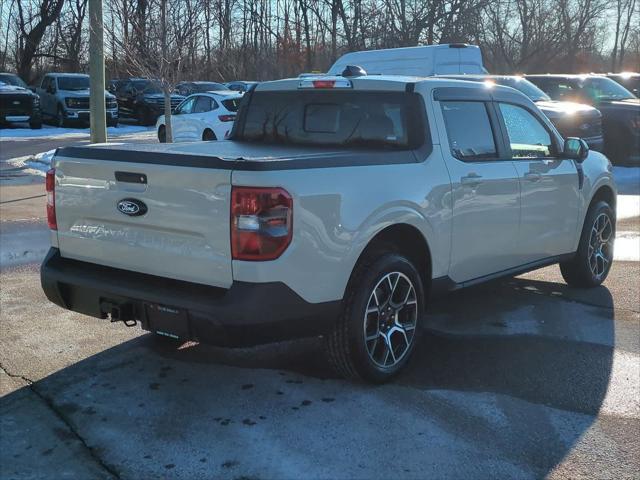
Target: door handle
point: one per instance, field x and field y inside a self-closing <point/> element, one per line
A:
<point x="532" y="177"/>
<point x="471" y="180"/>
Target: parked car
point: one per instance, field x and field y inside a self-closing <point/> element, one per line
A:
<point x="64" y="99"/>
<point x="17" y="102"/>
<point x="143" y="99"/>
<point x="189" y="88"/>
<point x="204" y="116"/>
<point x="240" y="85"/>
<point x="629" y="80"/>
<point x="619" y="107"/>
<point x="422" y="61"/>
<point x="570" y="118"/>
<point x="338" y="207"/>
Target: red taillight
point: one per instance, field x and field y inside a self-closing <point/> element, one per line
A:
<point x="324" y="83"/>
<point x="50" y="184"/>
<point x="227" y="118"/>
<point x="261" y="222"/>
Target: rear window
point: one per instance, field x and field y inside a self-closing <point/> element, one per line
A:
<point x="232" y="104"/>
<point x="469" y="130"/>
<point x="391" y="120"/>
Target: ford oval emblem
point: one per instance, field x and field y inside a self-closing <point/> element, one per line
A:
<point x="132" y="207"/>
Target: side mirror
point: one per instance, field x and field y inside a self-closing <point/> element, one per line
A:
<point x="51" y="89"/>
<point x="576" y="149"/>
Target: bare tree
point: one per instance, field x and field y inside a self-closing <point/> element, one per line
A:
<point x="33" y="20"/>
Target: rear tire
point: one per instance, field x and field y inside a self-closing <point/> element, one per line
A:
<point x="592" y="262"/>
<point x="376" y="333"/>
<point x="162" y="134"/>
<point x="208" y="136"/>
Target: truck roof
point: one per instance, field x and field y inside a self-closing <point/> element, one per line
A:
<point x="375" y="82"/>
<point x="60" y="74"/>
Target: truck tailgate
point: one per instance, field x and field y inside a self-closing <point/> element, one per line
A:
<point x="184" y="233"/>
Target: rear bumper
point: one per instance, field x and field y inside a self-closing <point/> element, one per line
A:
<point x="246" y="314"/>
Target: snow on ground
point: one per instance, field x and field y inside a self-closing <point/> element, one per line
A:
<point x="17" y="134"/>
<point x="36" y="165"/>
<point x="627" y="247"/>
<point x="628" y="206"/>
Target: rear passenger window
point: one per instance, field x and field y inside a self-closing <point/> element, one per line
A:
<point x="202" y="105"/>
<point x="469" y="130"/>
<point x="527" y="136"/>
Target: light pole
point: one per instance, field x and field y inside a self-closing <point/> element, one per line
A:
<point x="96" y="73"/>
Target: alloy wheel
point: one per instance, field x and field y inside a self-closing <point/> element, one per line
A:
<point x="390" y="319"/>
<point x="600" y="253"/>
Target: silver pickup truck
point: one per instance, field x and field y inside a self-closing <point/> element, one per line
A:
<point x="338" y="208"/>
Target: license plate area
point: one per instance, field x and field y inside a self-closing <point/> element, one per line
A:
<point x="168" y="321"/>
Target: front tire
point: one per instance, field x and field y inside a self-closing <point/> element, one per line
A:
<point x="162" y="134"/>
<point x="60" y="122"/>
<point x="592" y="262"/>
<point x="376" y="333"/>
<point x="35" y="124"/>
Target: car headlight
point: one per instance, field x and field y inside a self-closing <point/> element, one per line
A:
<point x="111" y="104"/>
<point x="72" y="102"/>
<point x="635" y="122"/>
<point x="36" y="100"/>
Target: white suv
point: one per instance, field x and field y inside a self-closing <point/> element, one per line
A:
<point x="202" y="116"/>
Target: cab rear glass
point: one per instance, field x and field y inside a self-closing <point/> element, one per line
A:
<point x="346" y="119"/>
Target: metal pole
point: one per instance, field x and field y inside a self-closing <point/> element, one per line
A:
<point x="96" y="73"/>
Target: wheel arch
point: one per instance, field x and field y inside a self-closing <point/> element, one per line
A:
<point x="406" y="239"/>
<point x="604" y="193"/>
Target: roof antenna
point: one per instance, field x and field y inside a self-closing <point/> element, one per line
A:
<point x="354" y="71"/>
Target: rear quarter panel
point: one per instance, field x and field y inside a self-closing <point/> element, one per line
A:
<point x="337" y="211"/>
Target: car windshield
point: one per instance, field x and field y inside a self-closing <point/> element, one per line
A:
<point x="147" y="87"/>
<point x="232" y="104"/>
<point x="602" y="88"/>
<point x="524" y="86"/>
<point x="346" y="119"/>
<point x="208" y="87"/>
<point x="630" y="82"/>
<point x="11" y="79"/>
<point x="73" y="83"/>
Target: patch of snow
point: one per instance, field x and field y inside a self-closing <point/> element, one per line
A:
<point x="37" y="164"/>
<point x="49" y="131"/>
<point x="627" y="247"/>
<point x="627" y="180"/>
<point x="628" y="206"/>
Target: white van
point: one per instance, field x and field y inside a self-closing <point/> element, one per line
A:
<point x="425" y="61"/>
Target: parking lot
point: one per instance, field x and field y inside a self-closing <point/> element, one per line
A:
<point x="521" y="378"/>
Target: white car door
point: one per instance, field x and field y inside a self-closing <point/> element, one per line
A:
<point x="202" y="118"/>
<point x="485" y="188"/>
<point x="180" y="118"/>
<point x="549" y="184"/>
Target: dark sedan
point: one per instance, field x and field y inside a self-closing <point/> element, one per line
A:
<point x="620" y="109"/>
<point x="570" y="118"/>
<point x="189" y="88"/>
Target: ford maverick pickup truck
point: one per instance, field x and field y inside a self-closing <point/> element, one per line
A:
<point x="338" y="207"/>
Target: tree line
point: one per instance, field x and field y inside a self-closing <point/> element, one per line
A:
<point x="223" y="40"/>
